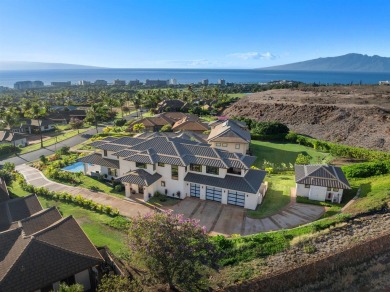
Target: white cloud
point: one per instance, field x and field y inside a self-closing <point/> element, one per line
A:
<point x="254" y="56"/>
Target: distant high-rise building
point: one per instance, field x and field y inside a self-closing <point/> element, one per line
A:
<point x="205" y="82"/>
<point x="173" y="81"/>
<point x="84" y="83"/>
<point x="61" y="83"/>
<point x="119" y="82"/>
<point x="28" y="84"/>
<point x="101" y="82"/>
<point x="134" y="82"/>
<point x="156" y="82"/>
<point x="221" y="82"/>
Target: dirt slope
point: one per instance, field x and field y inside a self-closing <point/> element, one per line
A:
<point x="352" y="115"/>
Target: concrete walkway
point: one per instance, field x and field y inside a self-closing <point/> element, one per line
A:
<point x="126" y="207"/>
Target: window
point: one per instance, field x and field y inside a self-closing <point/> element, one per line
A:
<point x="212" y="170"/>
<point x="175" y="172"/>
<point x="112" y="171"/>
<point x="218" y="144"/>
<point x="237" y="146"/>
<point x="233" y="170"/>
<point x="161" y="164"/>
<point x="335" y="189"/>
<point x="105" y="152"/>
<point x="140" y="165"/>
<point x="307" y="186"/>
<point x="196" y="167"/>
<point x="224" y="144"/>
<point x="163" y="183"/>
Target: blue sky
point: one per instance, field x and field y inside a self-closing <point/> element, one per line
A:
<point x="189" y="33"/>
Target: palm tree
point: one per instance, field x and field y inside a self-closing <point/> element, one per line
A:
<point x="37" y="112"/>
<point x="95" y="114"/>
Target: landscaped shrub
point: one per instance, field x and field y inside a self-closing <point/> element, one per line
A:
<point x="367" y="169"/>
<point x="8" y="149"/>
<point x="120" y="123"/>
<point x="118" y="188"/>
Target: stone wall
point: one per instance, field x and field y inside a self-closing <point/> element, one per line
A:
<point x="316" y="270"/>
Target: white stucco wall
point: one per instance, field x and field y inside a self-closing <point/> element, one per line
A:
<point x="317" y="193"/>
<point x="88" y="168"/>
<point x="301" y="190"/>
<point x="231" y="147"/>
<point x="251" y="201"/>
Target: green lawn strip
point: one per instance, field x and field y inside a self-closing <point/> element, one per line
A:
<point x="162" y="200"/>
<point x="277" y="196"/>
<point x="51" y="141"/>
<point x="375" y="193"/>
<point x="208" y="119"/>
<point x="278" y="152"/>
<point x="97" y="226"/>
<point x="240" y="95"/>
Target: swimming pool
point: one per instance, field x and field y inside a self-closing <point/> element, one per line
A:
<point x="75" y="167"/>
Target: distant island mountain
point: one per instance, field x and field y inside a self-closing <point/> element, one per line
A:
<point x="20" y="65"/>
<point x="346" y="63"/>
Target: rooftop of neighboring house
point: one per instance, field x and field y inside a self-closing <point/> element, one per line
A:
<point x="163" y="119"/>
<point x="6" y="136"/>
<point x="170" y="104"/>
<point x="229" y="131"/>
<point x="187" y="135"/>
<point x="321" y="175"/>
<point x="66" y="115"/>
<point x="190" y="124"/>
<point x="175" y="151"/>
<point x="4" y="195"/>
<point x="39" y="247"/>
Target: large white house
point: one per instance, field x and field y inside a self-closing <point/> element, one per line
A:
<point x="320" y="182"/>
<point x="178" y="168"/>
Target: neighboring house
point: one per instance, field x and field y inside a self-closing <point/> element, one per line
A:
<point x="201" y="138"/>
<point x="155" y="123"/>
<point x="230" y="136"/>
<point x="190" y="124"/>
<point x="170" y="105"/>
<point x="4" y="195"/>
<point x="320" y="182"/>
<point x="63" y="117"/>
<point x="40" y="248"/>
<point x="178" y="168"/>
<point x="15" y="139"/>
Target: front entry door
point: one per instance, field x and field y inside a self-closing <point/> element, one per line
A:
<point x="140" y="189"/>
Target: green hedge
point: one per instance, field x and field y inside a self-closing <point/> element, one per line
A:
<point x="67" y="198"/>
<point x="367" y="169"/>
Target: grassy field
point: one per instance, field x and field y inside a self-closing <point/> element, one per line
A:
<point x="95" y="225"/>
<point x="375" y="193"/>
<point x="278" y="152"/>
<point x="277" y="196"/>
<point x="236" y="94"/>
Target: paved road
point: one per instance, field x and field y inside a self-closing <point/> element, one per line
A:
<point x="126" y="208"/>
<point x="31" y="156"/>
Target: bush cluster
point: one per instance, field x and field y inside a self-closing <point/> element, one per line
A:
<point x="367" y="169"/>
<point x="67" y="198"/>
<point x="8" y="149"/>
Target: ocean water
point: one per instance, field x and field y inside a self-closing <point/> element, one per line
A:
<point x="187" y="76"/>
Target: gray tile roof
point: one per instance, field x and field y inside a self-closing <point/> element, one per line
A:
<point x="29" y="263"/>
<point x="250" y="183"/>
<point x="125" y="153"/>
<point x="140" y="177"/>
<point x="229" y="131"/>
<point x="127" y="141"/>
<point x="40" y="220"/>
<point x="96" y="158"/>
<point x="321" y="175"/>
<point x="21" y="208"/>
<point x="111" y="147"/>
<point x="4" y="195"/>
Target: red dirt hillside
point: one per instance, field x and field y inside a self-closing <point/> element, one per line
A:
<point x="351" y="115"/>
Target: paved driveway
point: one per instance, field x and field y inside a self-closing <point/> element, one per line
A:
<point x="227" y="219"/>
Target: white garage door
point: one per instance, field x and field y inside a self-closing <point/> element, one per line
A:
<point x="195" y="190"/>
<point x="214" y="194"/>
<point x="236" y="198"/>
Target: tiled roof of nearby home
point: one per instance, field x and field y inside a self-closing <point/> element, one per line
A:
<point x="170" y="104"/>
<point x="192" y="137"/>
<point x="189" y="124"/>
<point x="54" y="252"/>
<point x="250" y="183"/>
<point x="40" y="220"/>
<point x="154" y="121"/>
<point x="127" y="141"/>
<point x="229" y="131"/>
<point x="96" y="158"/>
<point x="111" y="147"/>
<point x="4" y="195"/>
<point x="177" y="151"/>
<point x="321" y="175"/>
<point x="10" y="136"/>
<point x="140" y="177"/>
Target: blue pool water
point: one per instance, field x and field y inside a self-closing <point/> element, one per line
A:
<point x="75" y="167"/>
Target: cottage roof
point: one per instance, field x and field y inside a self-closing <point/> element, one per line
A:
<point x="4" y="195"/>
<point x="189" y="124"/>
<point x="6" y="136"/>
<point x="97" y="158"/>
<point x="229" y="131"/>
<point x="321" y="175"/>
<point x="140" y="177"/>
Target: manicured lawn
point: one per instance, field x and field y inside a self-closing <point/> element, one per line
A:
<point x="277" y="196"/>
<point x="208" y="119"/>
<point x="278" y="152"/>
<point x="236" y="94"/>
<point x="375" y="193"/>
<point x="163" y="201"/>
<point x="52" y="141"/>
<point x="95" y="225"/>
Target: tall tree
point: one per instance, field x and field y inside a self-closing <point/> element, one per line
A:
<point x="95" y="114"/>
<point x="38" y="113"/>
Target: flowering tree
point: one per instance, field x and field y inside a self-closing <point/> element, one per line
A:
<point x="174" y="250"/>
